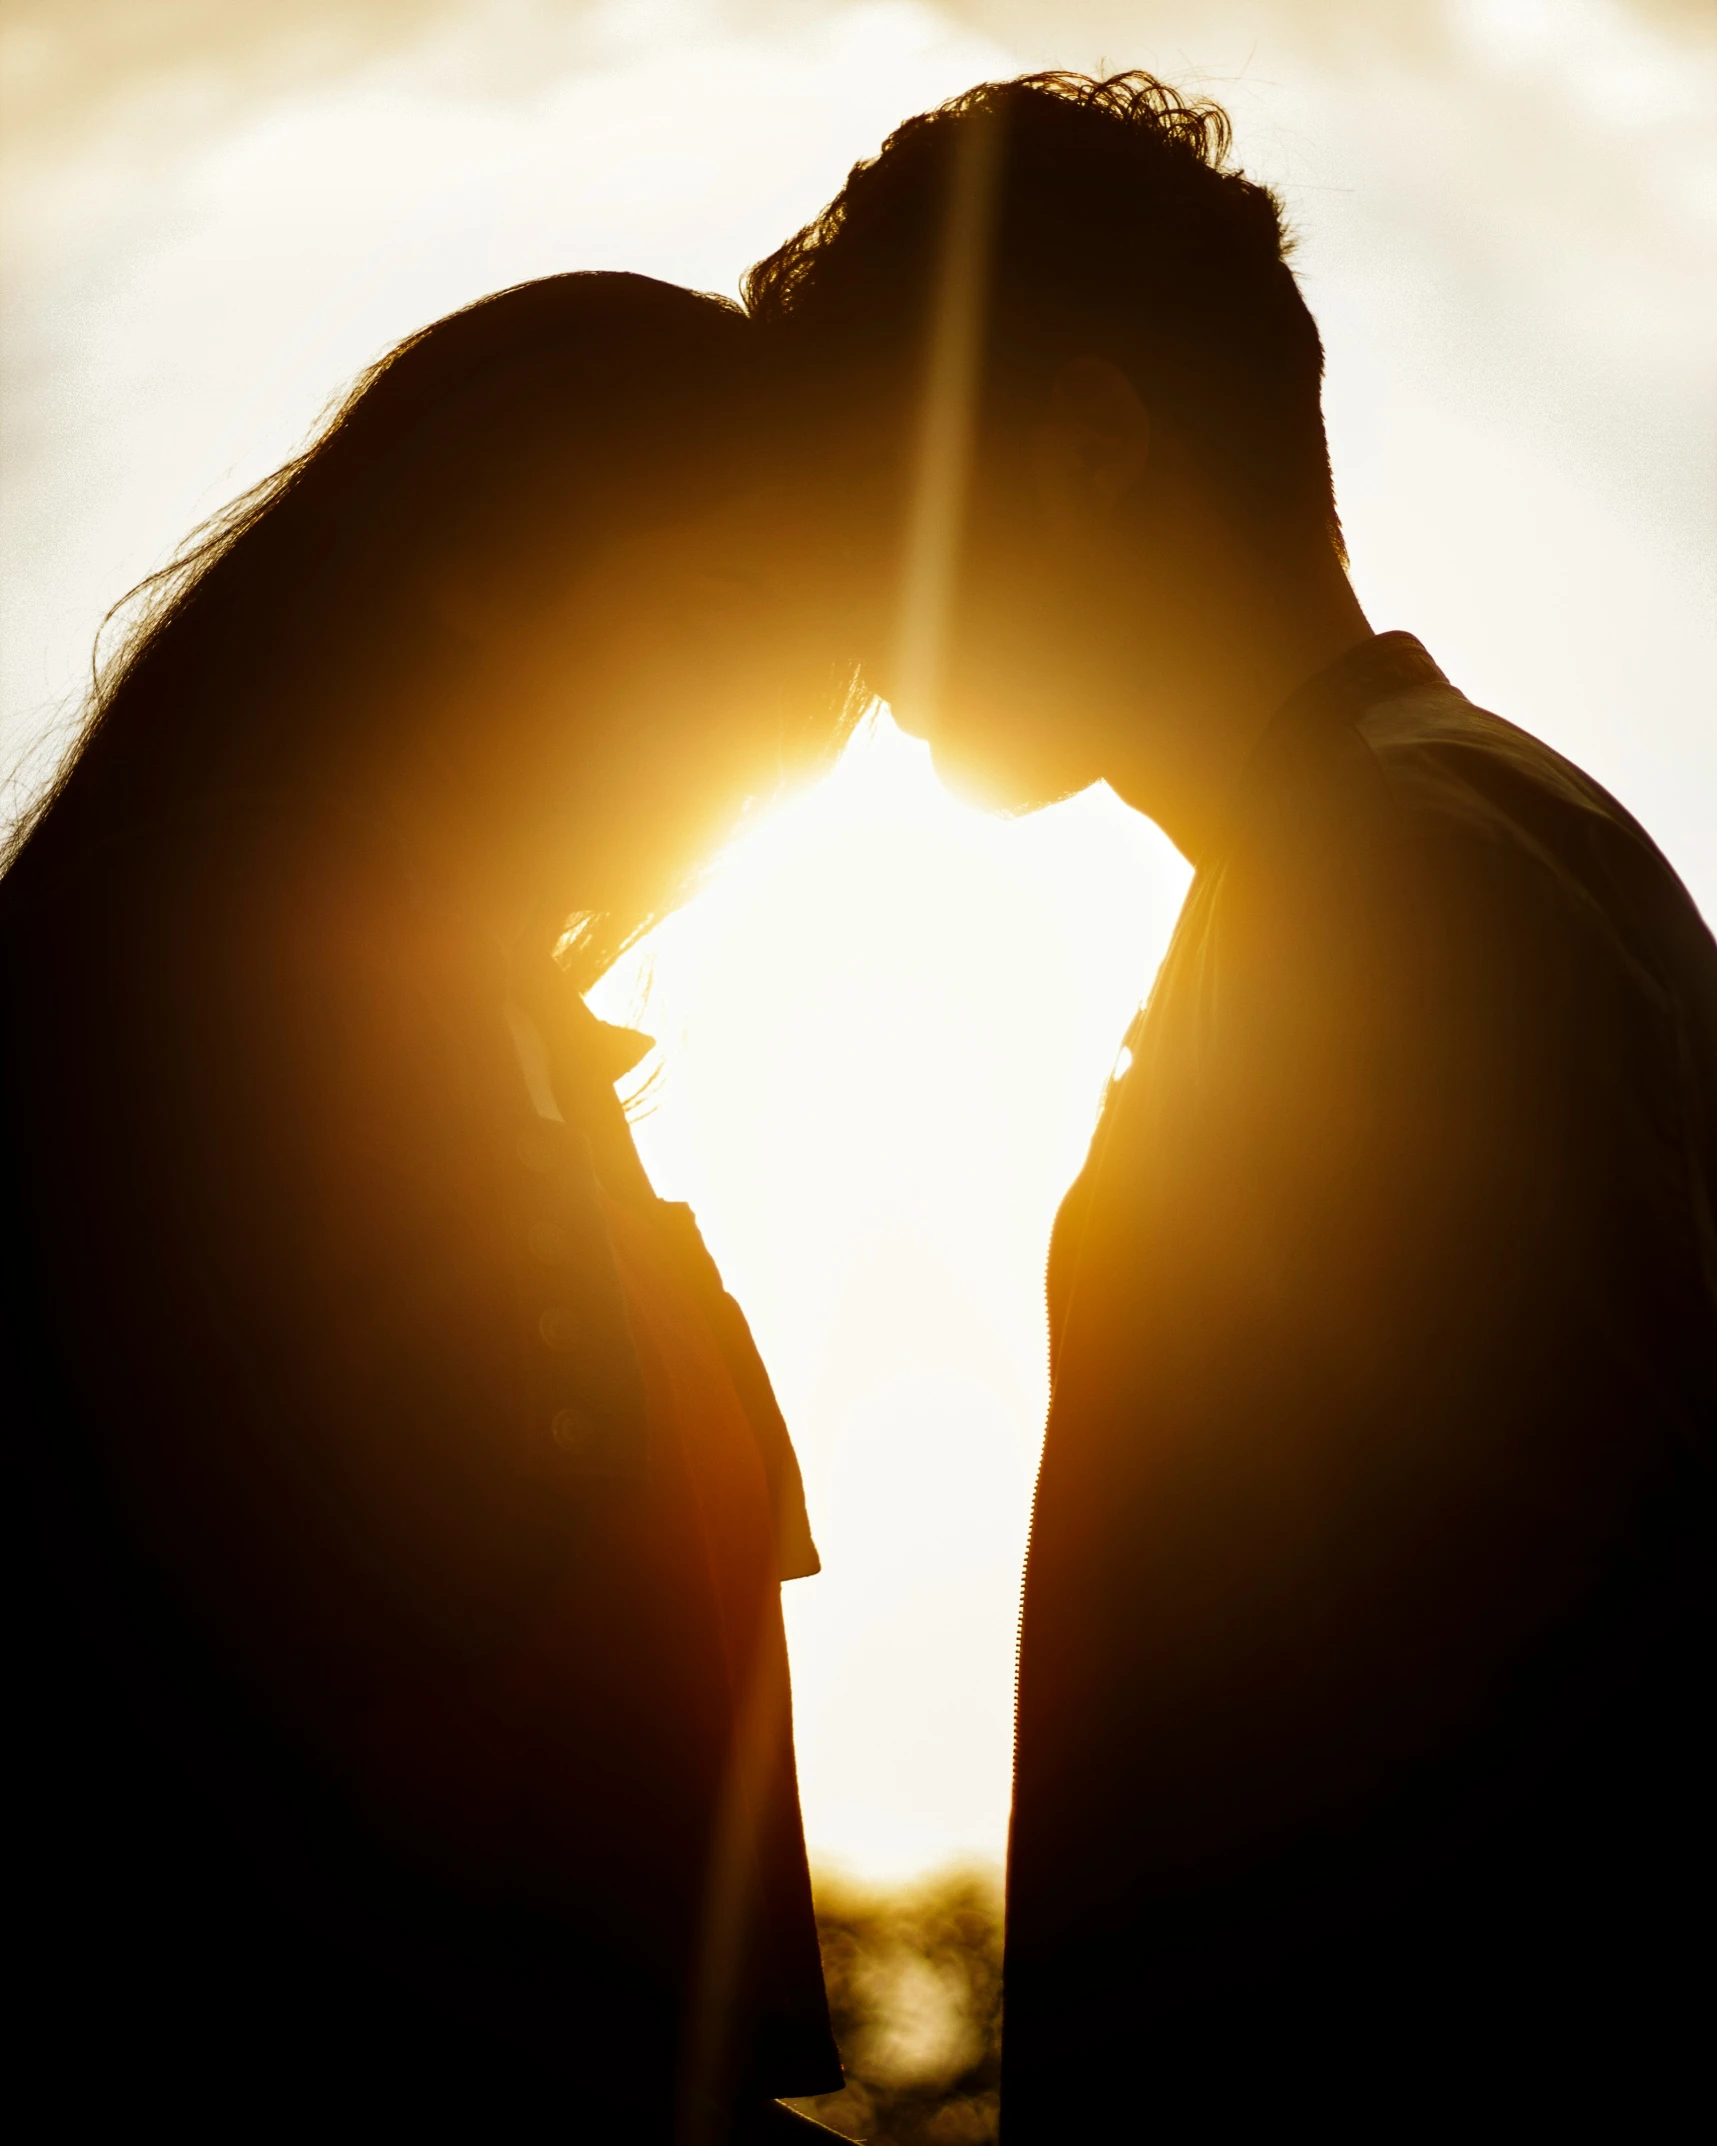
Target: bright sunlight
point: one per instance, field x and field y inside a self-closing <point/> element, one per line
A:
<point x="885" y="1028"/>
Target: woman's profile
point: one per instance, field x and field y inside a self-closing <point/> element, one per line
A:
<point x="408" y="1718"/>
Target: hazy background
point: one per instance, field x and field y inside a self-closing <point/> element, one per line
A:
<point x="886" y="1022"/>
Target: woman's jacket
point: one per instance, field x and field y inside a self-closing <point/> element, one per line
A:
<point x="405" y="1501"/>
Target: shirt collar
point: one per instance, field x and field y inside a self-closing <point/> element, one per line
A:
<point x="1374" y="669"/>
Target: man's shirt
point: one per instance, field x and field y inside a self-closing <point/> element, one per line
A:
<point x="1367" y="1598"/>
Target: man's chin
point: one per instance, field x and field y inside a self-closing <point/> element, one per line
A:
<point x="994" y="786"/>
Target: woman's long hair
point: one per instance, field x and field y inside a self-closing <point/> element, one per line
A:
<point x="282" y="643"/>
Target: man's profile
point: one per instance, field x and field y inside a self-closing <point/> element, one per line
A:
<point x="1367" y="1606"/>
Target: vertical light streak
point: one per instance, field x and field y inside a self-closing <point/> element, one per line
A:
<point x="735" y="1884"/>
<point x="948" y="420"/>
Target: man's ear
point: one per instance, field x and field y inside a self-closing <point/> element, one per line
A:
<point x="1093" y="443"/>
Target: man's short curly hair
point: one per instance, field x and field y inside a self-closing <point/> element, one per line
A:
<point x="1121" y="229"/>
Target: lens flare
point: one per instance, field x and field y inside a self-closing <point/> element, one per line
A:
<point x="948" y="418"/>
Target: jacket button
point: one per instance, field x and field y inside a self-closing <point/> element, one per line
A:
<point x="559" y="1328"/>
<point x="574" y="1432"/>
<point x="548" y="1242"/>
<point x="537" y="1152"/>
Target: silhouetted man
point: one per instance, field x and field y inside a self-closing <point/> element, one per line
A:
<point x="1364" y="1649"/>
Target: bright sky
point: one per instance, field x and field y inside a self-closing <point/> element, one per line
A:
<point x="887" y="1021"/>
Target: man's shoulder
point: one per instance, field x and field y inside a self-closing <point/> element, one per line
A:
<point x="1449" y="766"/>
<point x="1415" y="839"/>
<point x="1377" y="806"/>
<point x="1482" y="796"/>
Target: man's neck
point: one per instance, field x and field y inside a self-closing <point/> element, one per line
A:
<point x="1191" y="730"/>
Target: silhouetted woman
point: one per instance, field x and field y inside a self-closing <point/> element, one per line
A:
<point x="401" y="1675"/>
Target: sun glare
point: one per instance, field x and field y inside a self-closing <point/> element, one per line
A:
<point x="884" y="1028"/>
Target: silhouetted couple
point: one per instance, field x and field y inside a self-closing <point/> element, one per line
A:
<point x="400" y="1682"/>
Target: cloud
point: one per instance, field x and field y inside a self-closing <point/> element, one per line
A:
<point x="68" y="67"/>
<point x="216" y="212"/>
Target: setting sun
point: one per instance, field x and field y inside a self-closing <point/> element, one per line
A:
<point x="885" y="1026"/>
